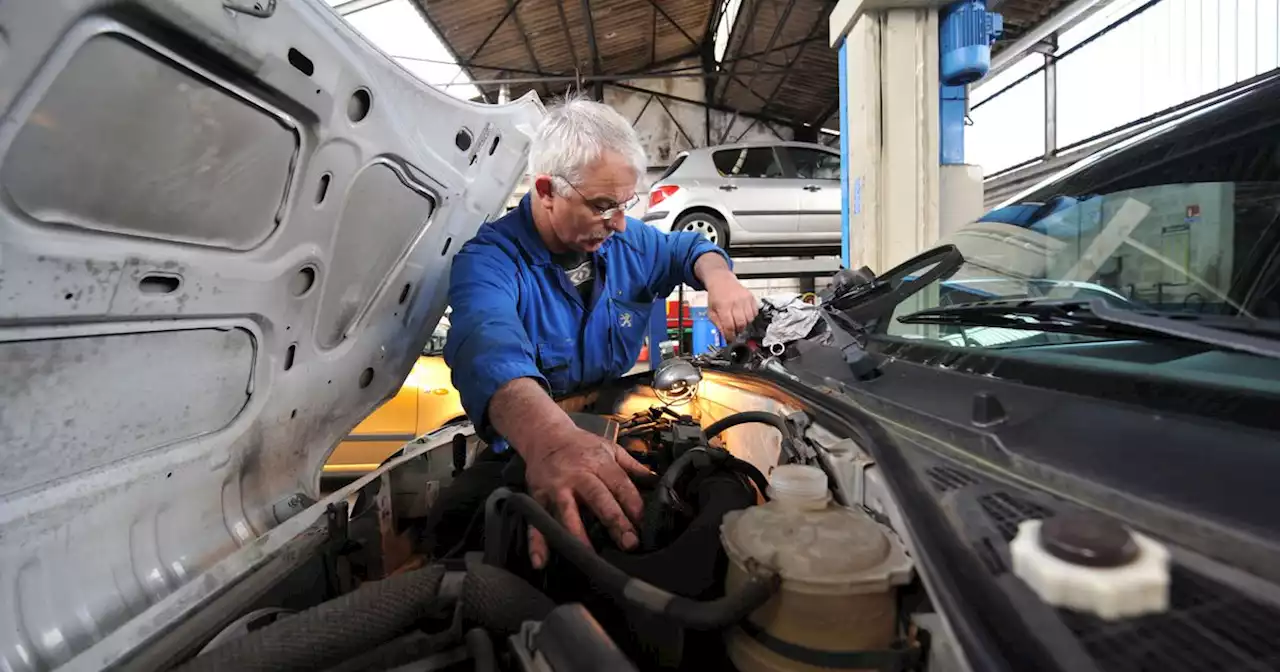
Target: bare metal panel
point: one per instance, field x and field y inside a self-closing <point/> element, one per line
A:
<point x="400" y="210"/>
<point x="62" y="419"/>
<point x="183" y="210"/>
<point x="160" y="152"/>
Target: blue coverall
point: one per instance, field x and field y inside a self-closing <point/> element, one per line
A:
<point x="516" y="315"/>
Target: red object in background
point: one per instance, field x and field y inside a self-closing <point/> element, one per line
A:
<point x="673" y="319"/>
<point x="1193" y="211"/>
<point x="660" y="194"/>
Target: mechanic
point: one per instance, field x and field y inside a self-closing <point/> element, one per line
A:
<point x="556" y="295"/>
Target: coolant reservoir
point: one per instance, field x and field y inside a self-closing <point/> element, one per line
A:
<point x="838" y="568"/>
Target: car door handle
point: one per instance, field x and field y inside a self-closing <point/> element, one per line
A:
<point x="728" y="187"/>
<point x="812" y="187"/>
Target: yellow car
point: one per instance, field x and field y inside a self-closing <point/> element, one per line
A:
<point x="426" y="401"/>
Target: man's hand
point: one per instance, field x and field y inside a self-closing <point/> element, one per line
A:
<point x="578" y="466"/>
<point x="730" y="306"/>
<point x="566" y="466"/>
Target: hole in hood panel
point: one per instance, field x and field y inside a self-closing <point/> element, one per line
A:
<point x="127" y="141"/>
<point x="381" y="217"/>
<point x="64" y="409"/>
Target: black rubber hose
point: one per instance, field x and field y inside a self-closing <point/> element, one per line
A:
<point x="667" y="484"/>
<point x="499" y="601"/>
<point x="710" y="615"/>
<point x="749" y="470"/>
<point x="480" y="646"/>
<point x="715" y="428"/>
<point x="333" y="631"/>
<point x="400" y="651"/>
<point x="739" y="354"/>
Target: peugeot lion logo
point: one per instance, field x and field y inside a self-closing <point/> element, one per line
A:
<point x="624" y="319"/>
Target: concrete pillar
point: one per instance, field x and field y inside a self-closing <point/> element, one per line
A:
<point x="891" y="105"/>
<point x="892" y="102"/>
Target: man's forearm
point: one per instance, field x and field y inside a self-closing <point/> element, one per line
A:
<point x="711" y="269"/>
<point x="522" y="412"/>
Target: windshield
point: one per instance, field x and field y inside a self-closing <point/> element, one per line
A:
<point x="1185" y="223"/>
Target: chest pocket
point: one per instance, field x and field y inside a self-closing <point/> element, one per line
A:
<point x="556" y="362"/>
<point x="629" y="321"/>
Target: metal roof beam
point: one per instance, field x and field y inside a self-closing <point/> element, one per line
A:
<point x="511" y="7"/>
<point x="479" y="66"/>
<point x="699" y="103"/>
<point x="1010" y="54"/>
<point x="544" y="78"/>
<point x="813" y="30"/>
<point x="591" y="37"/>
<point x="826" y="113"/>
<point x="758" y="54"/>
<point x="524" y="37"/>
<point x="750" y="24"/>
<point x="568" y="37"/>
<point x="672" y="21"/>
<point x="421" y="7"/>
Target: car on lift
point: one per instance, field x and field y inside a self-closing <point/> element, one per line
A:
<point x="846" y="487"/>
<point x="780" y="194"/>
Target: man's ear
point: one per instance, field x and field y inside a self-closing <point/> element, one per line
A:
<point x="544" y="188"/>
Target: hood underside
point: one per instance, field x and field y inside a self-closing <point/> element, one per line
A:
<point x="225" y="233"/>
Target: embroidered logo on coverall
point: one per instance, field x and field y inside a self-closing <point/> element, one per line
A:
<point x="624" y="320"/>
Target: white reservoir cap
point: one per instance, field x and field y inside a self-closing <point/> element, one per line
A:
<point x="1090" y="563"/>
<point x="799" y="485"/>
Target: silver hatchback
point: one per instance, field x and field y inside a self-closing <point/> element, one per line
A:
<point x="777" y="194"/>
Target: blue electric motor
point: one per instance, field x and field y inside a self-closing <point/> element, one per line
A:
<point x="965" y="33"/>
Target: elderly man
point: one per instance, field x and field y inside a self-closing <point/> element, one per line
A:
<point x="556" y="295"/>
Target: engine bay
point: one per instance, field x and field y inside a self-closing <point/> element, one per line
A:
<point x="753" y="555"/>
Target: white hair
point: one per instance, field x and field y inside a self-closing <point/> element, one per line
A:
<point x="577" y="132"/>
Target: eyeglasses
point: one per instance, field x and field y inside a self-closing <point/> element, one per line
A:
<point x="606" y="210"/>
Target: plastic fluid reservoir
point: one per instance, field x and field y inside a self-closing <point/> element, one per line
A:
<point x="838" y="568"/>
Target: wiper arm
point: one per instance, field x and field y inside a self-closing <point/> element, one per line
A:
<point x="1096" y="318"/>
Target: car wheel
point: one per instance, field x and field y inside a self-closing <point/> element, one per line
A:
<point x="706" y="225"/>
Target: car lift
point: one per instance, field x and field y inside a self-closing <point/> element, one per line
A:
<point x="905" y="67"/>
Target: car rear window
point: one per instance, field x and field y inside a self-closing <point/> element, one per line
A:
<point x="747" y="162"/>
<point x="672" y="168"/>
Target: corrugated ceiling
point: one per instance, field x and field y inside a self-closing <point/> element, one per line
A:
<point x="777" y="65"/>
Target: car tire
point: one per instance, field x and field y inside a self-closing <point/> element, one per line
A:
<point x="710" y="226"/>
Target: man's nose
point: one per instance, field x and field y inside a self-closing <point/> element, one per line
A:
<point x="618" y="222"/>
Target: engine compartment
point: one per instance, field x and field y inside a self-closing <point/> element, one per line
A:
<point x="741" y="563"/>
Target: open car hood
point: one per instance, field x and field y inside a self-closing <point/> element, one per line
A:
<point x="225" y="234"/>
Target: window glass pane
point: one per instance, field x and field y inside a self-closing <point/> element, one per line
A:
<point x="726" y="160"/>
<point x="814" y="164"/>
<point x="760" y="162"/>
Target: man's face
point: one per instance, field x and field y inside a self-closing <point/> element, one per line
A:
<point x="577" y="212"/>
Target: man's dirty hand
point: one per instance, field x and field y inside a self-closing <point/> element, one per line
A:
<point x="730" y="306"/>
<point x="576" y="467"/>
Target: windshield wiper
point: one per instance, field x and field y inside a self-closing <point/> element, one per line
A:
<point x="1096" y="318"/>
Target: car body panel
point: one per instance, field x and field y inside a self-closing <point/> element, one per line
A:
<point x="207" y="282"/>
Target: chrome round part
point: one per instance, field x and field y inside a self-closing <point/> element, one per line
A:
<point x="703" y="227"/>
